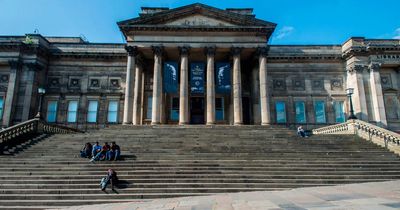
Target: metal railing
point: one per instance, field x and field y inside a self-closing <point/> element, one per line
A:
<point x="367" y="131"/>
<point x="33" y="126"/>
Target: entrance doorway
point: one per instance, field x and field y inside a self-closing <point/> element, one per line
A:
<point x="197" y="110"/>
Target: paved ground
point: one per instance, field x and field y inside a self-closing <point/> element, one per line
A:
<point x="374" y="196"/>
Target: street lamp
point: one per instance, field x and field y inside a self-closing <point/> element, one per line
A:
<point x="350" y="92"/>
<point x="41" y="92"/>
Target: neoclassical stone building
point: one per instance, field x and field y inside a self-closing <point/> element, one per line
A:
<point x="197" y="64"/>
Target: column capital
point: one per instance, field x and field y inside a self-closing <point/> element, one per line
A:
<point x="132" y="50"/>
<point x="262" y="51"/>
<point x="374" y="66"/>
<point x="210" y="50"/>
<point x="34" y="66"/>
<point x="236" y="51"/>
<point x="15" y="64"/>
<point x="184" y="50"/>
<point x="157" y="50"/>
<point x="356" y="68"/>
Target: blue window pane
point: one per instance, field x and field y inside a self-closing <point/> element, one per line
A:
<point x="280" y="112"/>
<point x="174" y="115"/>
<point x="72" y="111"/>
<point x="339" y="111"/>
<point x="1" y="107"/>
<point x="149" y="105"/>
<point x="112" y="111"/>
<point x="92" y="111"/>
<point x="300" y="112"/>
<point x="51" y="111"/>
<point x="319" y="107"/>
<point x="219" y="108"/>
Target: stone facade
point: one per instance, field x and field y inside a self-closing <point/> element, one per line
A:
<point x="269" y="84"/>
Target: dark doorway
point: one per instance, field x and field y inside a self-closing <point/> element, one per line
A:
<point x="197" y="110"/>
<point x="246" y="110"/>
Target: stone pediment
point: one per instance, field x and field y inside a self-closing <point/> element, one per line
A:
<point x="198" y="20"/>
<point x="195" y="15"/>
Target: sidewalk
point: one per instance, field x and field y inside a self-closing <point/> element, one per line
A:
<point x="373" y="196"/>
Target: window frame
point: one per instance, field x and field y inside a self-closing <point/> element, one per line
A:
<point x="112" y="111"/>
<point x="53" y="112"/>
<point x="91" y="112"/>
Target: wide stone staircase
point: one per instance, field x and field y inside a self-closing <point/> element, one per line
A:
<point x="170" y="161"/>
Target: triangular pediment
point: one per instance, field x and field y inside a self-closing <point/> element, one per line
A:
<point x="196" y="15"/>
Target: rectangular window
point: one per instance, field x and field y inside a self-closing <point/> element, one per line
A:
<point x="72" y="111"/>
<point x="319" y="108"/>
<point x="112" y="116"/>
<point x="300" y="112"/>
<point x="51" y="111"/>
<point x="1" y="107"/>
<point x="280" y="112"/>
<point x="219" y="108"/>
<point x="92" y="111"/>
<point x="149" y="107"/>
<point x="175" y="109"/>
<point x="338" y="106"/>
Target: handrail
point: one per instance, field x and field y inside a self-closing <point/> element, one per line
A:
<point x="368" y="131"/>
<point x="32" y="126"/>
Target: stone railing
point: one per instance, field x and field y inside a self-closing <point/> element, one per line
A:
<point x="367" y="131"/>
<point x="33" y="126"/>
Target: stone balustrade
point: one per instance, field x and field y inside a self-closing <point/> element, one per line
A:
<point x="33" y="126"/>
<point x="367" y="131"/>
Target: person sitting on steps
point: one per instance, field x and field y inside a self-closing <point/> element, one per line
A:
<point x="96" y="149"/>
<point x="102" y="154"/>
<point x="301" y="132"/>
<point x="114" y="152"/>
<point x="86" y="152"/>
<point x="111" y="178"/>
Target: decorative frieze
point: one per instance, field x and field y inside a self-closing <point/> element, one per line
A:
<point x="317" y="84"/>
<point x="356" y="68"/>
<point x="279" y="84"/>
<point x="74" y="83"/>
<point x="386" y="81"/>
<point x="94" y="83"/>
<point x="54" y="82"/>
<point x="4" y="78"/>
<point x="336" y="84"/>
<point x="114" y="83"/>
<point x="298" y="84"/>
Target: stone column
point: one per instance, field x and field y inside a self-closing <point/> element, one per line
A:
<point x="155" y="112"/>
<point x="136" y="95"/>
<point x="264" y="99"/>
<point x="184" y="87"/>
<point x="355" y="80"/>
<point x="129" y="84"/>
<point x="210" y="51"/>
<point x="237" y="87"/>
<point x="29" y="91"/>
<point x="12" y="89"/>
<point x="377" y="95"/>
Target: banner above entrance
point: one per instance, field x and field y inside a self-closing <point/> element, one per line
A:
<point x="223" y="77"/>
<point x="197" y="77"/>
<point x="170" y="77"/>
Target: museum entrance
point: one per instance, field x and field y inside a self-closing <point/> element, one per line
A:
<point x="197" y="110"/>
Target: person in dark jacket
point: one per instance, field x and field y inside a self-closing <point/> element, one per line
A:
<point x="114" y="152"/>
<point x="86" y="152"/>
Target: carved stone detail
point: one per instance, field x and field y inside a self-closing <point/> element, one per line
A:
<point x="158" y="50"/>
<point x="4" y="78"/>
<point x="374" y="66"/>
<point x="262" y="51"/>
<point x="114" y="83"/>
<point x="74" y="83"/>
<point x="132" y="50"/>
<point x="15" y="64"/>
<point x="94" y="83"/>
<point x="34" y="66"/>
<point x="184" y="50"/>
<point x="298" y="84"/>
<point x="236" y="51"/>
<point x="210" y="51"/>
<point x="279" y="84"/>
<point x="336" y="84"/>
<point x="318" y="84"/>
<point x="54" y="82"/>
<point x="386" y="81"/>
<point x="356" y="68"/>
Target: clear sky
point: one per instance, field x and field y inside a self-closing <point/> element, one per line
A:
<point x="299" y="21"/>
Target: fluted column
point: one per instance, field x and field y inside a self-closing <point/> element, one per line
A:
<point x="237" y="87"/>
<point x="12" y="89"/>
<point x="155" y="116"/>
<point x="184" y="87"/>
<point x="130" y="77"/>
<point x="136" y="95"/>
<point x="377" y="94"/>
<point x="264" y="99"/>
<point x="210" y="51"/>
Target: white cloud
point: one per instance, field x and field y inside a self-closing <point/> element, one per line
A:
<point x="397" y="34"/>
<point x="284" y="32"/>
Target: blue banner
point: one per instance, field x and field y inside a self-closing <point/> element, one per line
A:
<point x="197" y="77"/>
<point x="223" y="77"/>
<point x="170" y="77"/>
